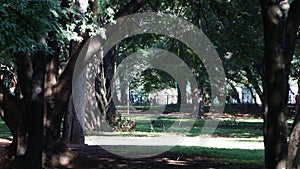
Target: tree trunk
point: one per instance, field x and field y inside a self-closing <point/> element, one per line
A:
<point x="294" y="142"/>
<point x="179" y="96"/>
<point x="202" y="102"/>
<point x="235" y="92"/>
<point x="73" y="132"/>
<point x="255" y="84"/>
<point x="104" y="90"/>
<point x="183" y="94"/>
<point x="276" y="87"/>
<point x="14" y="111"/>
<point x="252" y="94"/>
<point x="280" y="30"/>
<point x="35" y="120"/>
<point x="73" y="129"/>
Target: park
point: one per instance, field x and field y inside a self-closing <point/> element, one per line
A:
<point x="140" y="84"/>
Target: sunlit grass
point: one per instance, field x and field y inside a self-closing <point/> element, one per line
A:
<point x="249" y="129"/>
<point x="238" y="157"/>
<point x="244" y="128"/>
<point x="4" y="131"/>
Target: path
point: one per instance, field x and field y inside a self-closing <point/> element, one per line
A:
<point x="219" y="142"/>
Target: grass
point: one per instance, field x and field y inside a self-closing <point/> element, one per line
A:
<point x="4" y="131"/>
<point x="244" y="128"/>
<point x="236" y="158"/>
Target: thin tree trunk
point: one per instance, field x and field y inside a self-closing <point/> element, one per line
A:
<point x="255" y="84"/>
<point x="252" y="94"/>
<point x="202" y="102"/>
<point x="236" y="93"/>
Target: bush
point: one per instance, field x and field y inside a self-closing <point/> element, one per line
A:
<point x="124" y="124"/>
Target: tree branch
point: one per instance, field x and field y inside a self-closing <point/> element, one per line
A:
<point x="130" y="8"/>
<point x="24" y="71"/>
<point x="11" y="108"/>
<point x="293" y="23"/>
<point x="64" y="84"/>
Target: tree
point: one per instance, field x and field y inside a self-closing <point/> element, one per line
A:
<point x="25" y="23"/>
<point x="281" y="24"/>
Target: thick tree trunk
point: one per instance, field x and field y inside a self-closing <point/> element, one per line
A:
<point x="293" y="22"/>
<point x="68" y="120"/>
<point x="276" y="86"/>
<point x="14" y="111"/>
<point x="294" y="141"/>
<point x="280" y="31"/>
<point x="74" y="124"/>
<point x="62" y="91"/>
<point x="73" y="129"/>
<point x="35" y="120"/>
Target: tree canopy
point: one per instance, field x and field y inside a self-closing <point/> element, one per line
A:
<point x="258" y="42"/>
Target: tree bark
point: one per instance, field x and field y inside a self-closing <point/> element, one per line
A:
<point x="15" y="111"/>
<point x="35" y="120"/>
<point x="73" y="129"/>
<point x="236" y="93"/>
<point x="294" y="142"/>
<point x="276" y="87"/>
<point x="293" y="23"/>
<point x="255" y="84"/>
<point x="13" y="116"/>
<point x="280" y="31"/>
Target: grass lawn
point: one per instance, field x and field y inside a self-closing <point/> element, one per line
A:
<point x="250" y="130"/>
<point x="243" y="128"/>
<point x="236" y="158"/>
<point x="4" y="131"/>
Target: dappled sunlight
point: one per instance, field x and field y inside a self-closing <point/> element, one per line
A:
<point x="177" y="162"/>
<point x="62" y="159"/>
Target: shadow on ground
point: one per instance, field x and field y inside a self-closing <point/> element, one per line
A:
<point x="167" y="160"/>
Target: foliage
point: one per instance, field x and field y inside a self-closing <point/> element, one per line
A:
<point x="233" y="28"/>
<point x="24" y="23"/>
<point x="124" y="124"/>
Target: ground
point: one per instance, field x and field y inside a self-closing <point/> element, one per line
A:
<point x="94" y="156"/>
<point x="97" y="157"/>
<point x="162" y="161"/>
